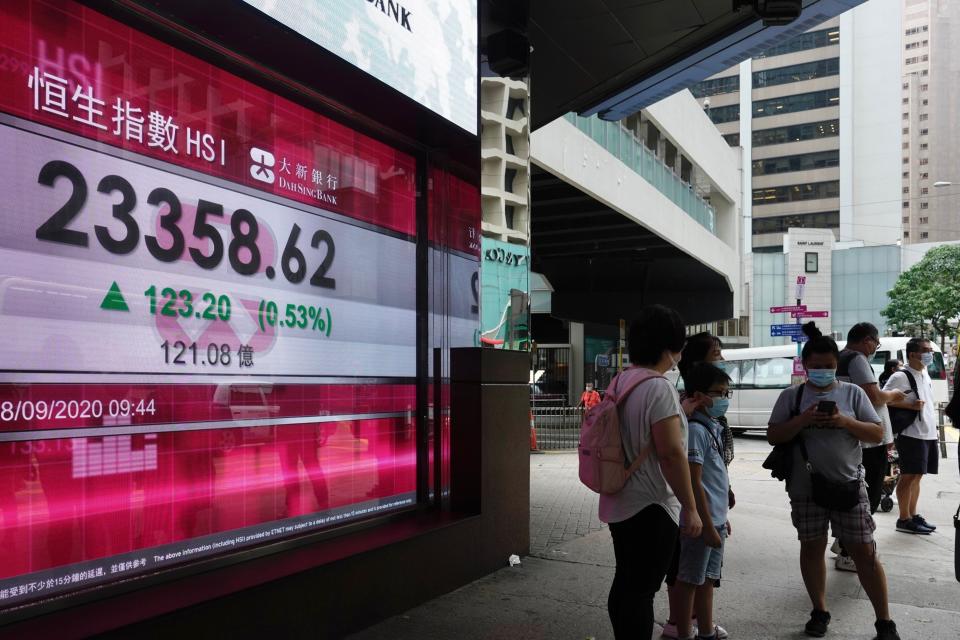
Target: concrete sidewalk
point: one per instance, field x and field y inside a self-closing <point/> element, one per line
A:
<point x="561" y="591"/>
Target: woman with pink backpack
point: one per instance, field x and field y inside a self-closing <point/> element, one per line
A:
<point x="645" y="515"/>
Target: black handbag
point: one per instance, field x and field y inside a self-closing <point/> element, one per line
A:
<point x="835" y="496"/>
<point x="780" y="461"/>
<point x="901" y="419"/>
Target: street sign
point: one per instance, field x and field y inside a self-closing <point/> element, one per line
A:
<point x="784" y="330"/>
<point x="810" y="314"/>
<point x="789" y="309"/>
<point x="800" y="338"/>
<point x="603" y="361"/>
<point x="798" y="369"/>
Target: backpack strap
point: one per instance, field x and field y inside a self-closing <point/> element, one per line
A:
<point x="620" y="399"/>
<point x="843" y="364"/>
<point x="796" y="401"/>
<point x="916" y="392"/>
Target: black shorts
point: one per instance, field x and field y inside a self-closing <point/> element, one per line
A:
<point x="918" y="456"/>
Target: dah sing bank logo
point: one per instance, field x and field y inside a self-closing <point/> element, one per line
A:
<point x="261" y="169"/>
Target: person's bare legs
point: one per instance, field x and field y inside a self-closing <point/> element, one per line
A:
<point x="905" y="489"/>
<point x="814" y="571"/>
<point x="703" y="605"/>
<point x="684" y="593"/>
<point x="915" y="496"/>
<point x="872" y="576"/>
<point x="674" y="603"/>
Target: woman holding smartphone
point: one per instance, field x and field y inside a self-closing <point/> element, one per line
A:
<point x="826" y="420"/>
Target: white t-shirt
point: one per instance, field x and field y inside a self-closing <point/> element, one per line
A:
<point x="647" y="405"/>
<point x="925" y="426"/>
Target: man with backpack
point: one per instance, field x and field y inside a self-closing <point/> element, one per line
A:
<point x="863" y="340"/>
<point x="917" y="443"/>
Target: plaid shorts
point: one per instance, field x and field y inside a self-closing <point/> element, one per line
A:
<point x="855" y="526"/>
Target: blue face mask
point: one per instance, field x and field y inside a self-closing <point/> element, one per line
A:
<point x="719" y="408"/>
<point x="926" y="359"/>
<point x="822" y="377"/>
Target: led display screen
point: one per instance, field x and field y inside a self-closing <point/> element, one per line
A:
<point x="426" y="49"/>
<point x="207" y="296"/>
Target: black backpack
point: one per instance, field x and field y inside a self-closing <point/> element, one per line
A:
<point x="901" y="419"/>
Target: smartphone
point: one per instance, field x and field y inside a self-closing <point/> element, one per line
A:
<point x="826" y="406"/>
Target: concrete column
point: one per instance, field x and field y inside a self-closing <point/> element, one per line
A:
<point x="576" y="362"/>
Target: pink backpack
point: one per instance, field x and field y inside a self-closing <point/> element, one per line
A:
<point x="603" y="467"/>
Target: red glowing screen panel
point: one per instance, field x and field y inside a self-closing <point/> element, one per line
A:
<point x="207" y="293"/>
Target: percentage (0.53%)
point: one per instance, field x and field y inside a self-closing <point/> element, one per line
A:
<point x="295" y="316"/>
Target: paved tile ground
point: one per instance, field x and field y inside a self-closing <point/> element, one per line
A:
<point x="561" y="509"/>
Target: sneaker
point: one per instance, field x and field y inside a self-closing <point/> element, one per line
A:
<point x="835" y="547"/>
<point x="909" y="526"/>
<point x="817" y="625"/>
<point x="717" y="629"/>
<point x="845" y="563"/>
<point x="886" y="630"/>
<point x="670" y="631"/>
<point x="919" y="519"/>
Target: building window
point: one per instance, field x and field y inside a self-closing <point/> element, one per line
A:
<point x="924" y="161"/>
<point x="924" y="132"/>
<point x="906" y="234"/>
<point x="905" y="101"/>
<point x="924" y="235"/>
<point x="811" y="262"/>
<point x="906" y="130"/>
<point x="716" y="86"/>
<point x="924" y="205"/>
<point x="780" y="224"/>
<point x="796" y="133"/>
<point x="915" y="30"/>
<point x="924" y="191"/>
<point x="906" y="204"/>
<point x="905" y="145"/>
<point x="797" y="192"/>
<point x="906" y="116"/>
<point x="924" y="58"/>
<point x="924" y="102"/>
<point x="906" y="85"/>
<point x="924" y="117"/>
<point x="804" y="42"/>
<point x="906" y="190"/>
<point x="906" y="218"/>
<point x="924" y="220"/>
<point x="924" y="87"/>
<point x="924" y="176"/>
<point x="723" y="114"/>
<point x="796" y="72"/>
<point x="733" y="139"/>
<point x="797" y="102"/>
<point x="906" y="175"/>
<point x="906" y="161"/>
<point x="803" y="162"/>
<point x="910" y="61"/>
<point x="924" y="73"/>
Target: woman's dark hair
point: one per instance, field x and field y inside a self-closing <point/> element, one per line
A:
<point x="890" y="367"/>
<point x="700" y="376"/>
<point x="656" y="329"/>
<point x="861" y="331"/>
<point x="817" y="342"/>
<point x="697" y="348"/>
<point x="953" y="408"/>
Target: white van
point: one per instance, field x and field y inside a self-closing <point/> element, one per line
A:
<point x="759" y="374"/>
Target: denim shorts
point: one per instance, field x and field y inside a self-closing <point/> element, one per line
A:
<point x="698" y="561"/>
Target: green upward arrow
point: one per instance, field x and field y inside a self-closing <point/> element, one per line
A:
<point x="114" y="301"/>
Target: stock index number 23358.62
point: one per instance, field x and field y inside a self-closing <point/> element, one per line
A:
<point x="124" y="239"/>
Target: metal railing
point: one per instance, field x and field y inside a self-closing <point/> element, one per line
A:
<point x="558" y="428"/>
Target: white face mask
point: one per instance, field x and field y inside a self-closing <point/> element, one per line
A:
<point x="926" y="359"/>
<point x="676" y="362"/>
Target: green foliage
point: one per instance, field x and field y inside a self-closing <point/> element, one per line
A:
<point x="926" y="297"/>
